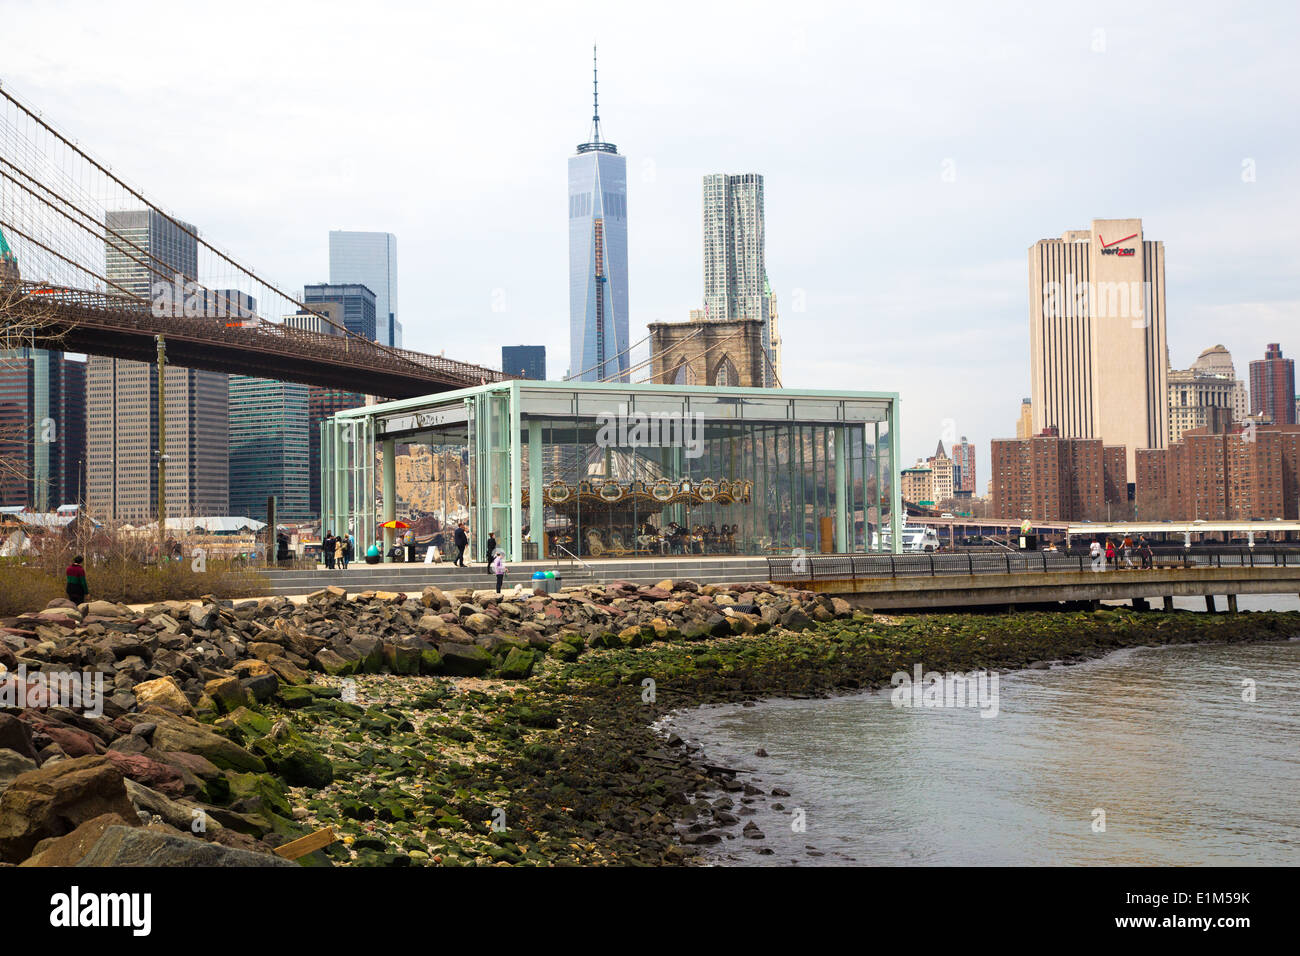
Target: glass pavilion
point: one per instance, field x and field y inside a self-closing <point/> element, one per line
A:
<point x="586" y="469"/>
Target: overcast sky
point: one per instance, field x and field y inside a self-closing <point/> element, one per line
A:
<point x="910" y="156"/>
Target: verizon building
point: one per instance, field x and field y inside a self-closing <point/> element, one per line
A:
<point x="1097" y="336"/>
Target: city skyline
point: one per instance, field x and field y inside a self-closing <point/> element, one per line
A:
<point x="948" y="208"/>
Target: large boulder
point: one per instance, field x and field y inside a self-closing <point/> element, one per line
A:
<point x="145" y="846"/>
<point x="181" y="733"/>
<point x="16" y="736"/>
<point x="56" y="799"/>
<point x="163" y="692"/>
<point x="69" y="849"/>
<point x="12" y="766"/>
<point x="464" y="660"/>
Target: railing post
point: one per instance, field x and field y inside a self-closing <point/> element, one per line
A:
<point x="1008" y="562"/>
<point x="893" y="567"/>
<point x="970" y="562"/>
<point x="931" y="564"/>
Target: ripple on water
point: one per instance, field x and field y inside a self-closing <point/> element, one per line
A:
<point x="1159" y="738"/>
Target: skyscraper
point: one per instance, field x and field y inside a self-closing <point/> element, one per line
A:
<point x="1272" y="386"/>
<point x="42" y="428"/>
<point x="735" y="271"/>
<point x="1098" y="349"/>
<point x="598" y="295"/>
<point x="42" y="420"/>
<point x="322" y="403"/>
<point x="122" y="396"/>
<point x="963" y="462"/>
<point x="356" y="300"/>
<point x="370" y="258"/>
<point x="269" y="447"/>
<point x="528" y="361"/>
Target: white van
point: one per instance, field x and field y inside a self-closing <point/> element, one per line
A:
<point x="917" y="539"/>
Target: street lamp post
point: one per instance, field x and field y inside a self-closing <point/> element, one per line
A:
<point x="162" y="449"/>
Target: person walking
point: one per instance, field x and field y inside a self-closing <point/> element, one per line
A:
<point x="461" y="540"/>
<point x="340" y="555"/>
<point x="1094" y="551"/>
<point x="1144" y="551"/>
<point x="347" y="551"/>
<point x="491" y="550"/>
<point x="77" y="587"/>
<point x="499" y="567"/>
<point x="1110" y="553"/>
<point x="327" y="550"/>
<point x="1128" y="551"/>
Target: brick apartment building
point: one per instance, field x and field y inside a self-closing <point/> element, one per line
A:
<point x="1049" y="478"/>
<point x="1249" y="472"/>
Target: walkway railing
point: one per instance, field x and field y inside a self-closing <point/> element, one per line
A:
<point x="851" y="567"/>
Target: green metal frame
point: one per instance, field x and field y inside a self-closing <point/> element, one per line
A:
<point x="349" y="439"/>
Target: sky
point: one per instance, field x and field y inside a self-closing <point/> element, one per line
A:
<point x="911" y="155"/>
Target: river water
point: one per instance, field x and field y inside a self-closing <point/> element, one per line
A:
<point x="1160" y="739"/>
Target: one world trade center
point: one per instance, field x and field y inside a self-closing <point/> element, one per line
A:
<point x="598" y="328"/>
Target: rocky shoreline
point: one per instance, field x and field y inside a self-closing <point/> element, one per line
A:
<point x="452" y="728"/>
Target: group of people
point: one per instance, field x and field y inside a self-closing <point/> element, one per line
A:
<point x="1107" y="555"/>
<point x="337" y="551"/>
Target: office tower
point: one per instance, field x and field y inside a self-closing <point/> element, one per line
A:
<point x="1025" y="423"/>
<point x="370" y="259"/>
<point x="269" y="448"/>
<point x="1217" y="361"/>
<point x="322" y="403"/>
<point x="324" y="318"/>
<point x="357" y="302"/>
<point x="773" y="334"/>
<point x="1098" y="351"/>
<point x="735" y="272"/>
<point x="917" y="485"/>
<point x="1272" y="387"/>
<point x="598" y="294"/>
<point x="1199" y="398"/>
<point x="963" y="461"/>
<point x="943" y="474"/>
<point x="527" y="361"/>
<point x="122" y="396"/>
<point x="42" y="428"/>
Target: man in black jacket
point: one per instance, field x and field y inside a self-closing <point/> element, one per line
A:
<point x="462" y="541"/>
<point x="491" y="549"/>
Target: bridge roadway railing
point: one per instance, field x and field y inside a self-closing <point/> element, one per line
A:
<point x="797" y="569"/>
<point x="77" y="307"/>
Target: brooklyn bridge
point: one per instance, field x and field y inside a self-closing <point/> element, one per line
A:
<point x="58" y="290"/>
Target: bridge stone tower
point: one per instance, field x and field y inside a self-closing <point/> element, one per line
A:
<point x="8" y="261"/>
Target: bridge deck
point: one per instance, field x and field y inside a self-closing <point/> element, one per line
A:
<point x="77" y="321"/>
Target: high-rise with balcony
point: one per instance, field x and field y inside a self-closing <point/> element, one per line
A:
<point x="122" y="413"/>
<point x="1098" y="351"/>
<point x="598" y="293"/>
<point x="370" y="258"/>
<point x="1272" y="387"/>
<point x="735" y="271"/>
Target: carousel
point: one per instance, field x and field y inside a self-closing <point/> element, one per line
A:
<point x="616" y="516"/>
